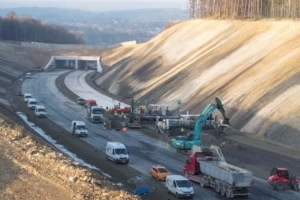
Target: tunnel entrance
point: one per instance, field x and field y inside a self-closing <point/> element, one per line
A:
<point x="75" y="62"/>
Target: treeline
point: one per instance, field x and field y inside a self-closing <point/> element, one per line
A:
<point x="244" y="8"/>
<point x="26" y="29"/>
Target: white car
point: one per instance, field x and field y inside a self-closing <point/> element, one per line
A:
<point x="28" y="75"/>
<point x="27" y="96"/>
<point x="40" y="111"/>
<point x="31" y="103"/>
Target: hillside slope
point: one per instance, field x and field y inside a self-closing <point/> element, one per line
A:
<point x="251" y="65"/>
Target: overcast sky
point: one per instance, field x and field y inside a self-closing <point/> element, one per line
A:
<point x="95" y="5"/>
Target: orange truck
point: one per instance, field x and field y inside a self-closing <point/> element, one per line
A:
<point x="90" y="102"/>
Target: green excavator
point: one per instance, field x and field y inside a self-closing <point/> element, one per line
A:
<point x="185" y="142"/>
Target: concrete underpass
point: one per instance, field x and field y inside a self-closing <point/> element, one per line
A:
<point x="74" y="62"/>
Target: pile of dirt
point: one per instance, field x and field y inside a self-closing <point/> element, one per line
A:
<point x="32" y="170"/>
<point x="250" y="65"/>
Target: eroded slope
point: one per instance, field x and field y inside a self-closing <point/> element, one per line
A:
<point x="251" y="65"/>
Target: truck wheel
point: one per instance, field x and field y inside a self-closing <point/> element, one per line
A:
<point x="279" y="186"/>
<point x="223" y="190"/>
<point x="217" y="188"/>
<point x="202" y="182"/>
<point x="228" y="193"/>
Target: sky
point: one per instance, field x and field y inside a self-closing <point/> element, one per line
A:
<point x="95" y="5"/>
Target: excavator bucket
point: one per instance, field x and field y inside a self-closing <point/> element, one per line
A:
<point x="222" y="111"/>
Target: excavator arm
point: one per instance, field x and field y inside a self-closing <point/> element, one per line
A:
<point x="210" y="108"/>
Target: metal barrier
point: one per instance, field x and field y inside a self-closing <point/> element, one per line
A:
<point x="140" y="184"/>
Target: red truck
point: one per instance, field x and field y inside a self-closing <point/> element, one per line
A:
<point x="90" y="102"/>
<point x="208" y="167"/>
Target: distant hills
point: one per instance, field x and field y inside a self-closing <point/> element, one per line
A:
<point x="50" y="13"/>
<point x="105" y="27"/>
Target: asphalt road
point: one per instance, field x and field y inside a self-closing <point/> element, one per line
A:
<point x="144" y="151"/>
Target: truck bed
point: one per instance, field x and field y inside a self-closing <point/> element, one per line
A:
<point x="225" y="172"/>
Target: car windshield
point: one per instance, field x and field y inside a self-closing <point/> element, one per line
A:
<point x="41" y="110"/>
<point x="162" y="170"/>
<point x="81" y="127"/>
<point x="33" y="103"/>
<point x="97" y="111"/>
<point x="184" y="183"/>
<point x="27" y="97"/>
<point x="121" y="151"/>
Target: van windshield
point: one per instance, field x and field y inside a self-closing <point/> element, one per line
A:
<point x="41" y="110"/>
<point x="32" y="103"/>
<point x="28" y="96"/>
<point x="121" y="151"/>
<point x="81" y="127"/>
<point x="184" y="183"/>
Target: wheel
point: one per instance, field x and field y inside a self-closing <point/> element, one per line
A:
<point x="223" y="190"/>
<point x="217" y="188"/>
<point x="228" y="193"/>
<point x="296" y="186"/>
<point x="202" y="182"/>
<point x="279" y="186"/>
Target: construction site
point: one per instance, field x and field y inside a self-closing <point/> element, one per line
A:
<point x="214" y="101"/>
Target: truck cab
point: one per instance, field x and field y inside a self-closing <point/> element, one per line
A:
<point x="31" y="103"/>
<point x="117" y="152"/>
<point x="180" y="186"/>
<point x="95" y="113"/>
<point x="40" y="111"/>
<point x="79" y="128"/>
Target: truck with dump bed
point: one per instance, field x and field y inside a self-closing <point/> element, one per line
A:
<point x="90" y="102"/>
<point x="95" y="113"/>
<point x="208" y="167"/>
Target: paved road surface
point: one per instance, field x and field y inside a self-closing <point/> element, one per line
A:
<point x="144" y="151"/>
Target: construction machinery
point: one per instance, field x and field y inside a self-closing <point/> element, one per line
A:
<point x="95" y="113"/>
<point x="281" y="178"/>
<point x="134" y="119"/>
<point x="207" y="166"/>
<point x="185" y="142"/>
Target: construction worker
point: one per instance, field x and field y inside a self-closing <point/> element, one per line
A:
<point x="116" y="114"/>
<point x="124" y="129"/>
<point x="106" y="109"/>
<point x="182" y="129"/>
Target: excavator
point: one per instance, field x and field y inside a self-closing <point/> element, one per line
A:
<point x="185" y="142"/>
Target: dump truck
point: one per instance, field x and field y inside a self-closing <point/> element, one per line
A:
<point x="95" y="113"/>
<point x="90" y="102"/>
<point x="207" y="166"/>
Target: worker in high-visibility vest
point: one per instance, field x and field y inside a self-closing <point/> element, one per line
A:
<point x="182" y="130"/>
<point x="124" y="129"/>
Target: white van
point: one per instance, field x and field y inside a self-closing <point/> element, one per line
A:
<point x="180" y="186"/>
<point x="79" y="128"/>
<point x="31" y="103"/>
<point x="27" y="96"/>
<point x="40" y="111"/>
<point x="117" y="152"/>
<point x="28" y="75"/>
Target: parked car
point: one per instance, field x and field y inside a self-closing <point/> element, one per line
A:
<point x="80" y="101"/>
<point x="159" y="172"/>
